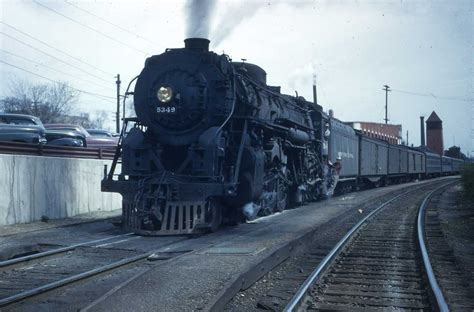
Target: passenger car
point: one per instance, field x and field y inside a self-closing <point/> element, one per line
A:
<point x="30" y="129"/>
<point x="65" y="138"/>
<point x="21" y="128"/>
<point x="101" y="133"/>
<point x="91" y="141"/>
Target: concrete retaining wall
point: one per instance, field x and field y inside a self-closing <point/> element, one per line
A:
<point x="34" y="186"/>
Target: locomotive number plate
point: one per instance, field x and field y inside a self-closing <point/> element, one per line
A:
<point x="166" y="110"/>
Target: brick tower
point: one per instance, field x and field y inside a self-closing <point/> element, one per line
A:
<point x="434" y="134"/>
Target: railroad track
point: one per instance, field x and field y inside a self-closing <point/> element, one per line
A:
<point x="31" y="275"/>
<point x="451" y="277"/>
<point x="377" y="265"/>
<point x="39" y="255"/>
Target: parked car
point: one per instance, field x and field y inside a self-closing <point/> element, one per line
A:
<point x="30" y="129"/>
<point x="65" y="138"/>
<point x="20" y="119"/>
<point x="101" y="133"/>
<point x="91" y="141"/>
<point x="21" y="128"/>
<point x="25" y="134"/>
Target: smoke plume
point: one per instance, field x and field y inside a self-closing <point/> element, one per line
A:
<point x="234" y="15"/>
<point x="199" y="16"/>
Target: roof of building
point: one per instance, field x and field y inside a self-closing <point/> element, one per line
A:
<point x="375" y="123"/>
<point x="424" y="148"/>
<point x="433" y="117"/>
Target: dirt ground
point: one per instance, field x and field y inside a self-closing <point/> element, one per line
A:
<point x="457" y="220"/>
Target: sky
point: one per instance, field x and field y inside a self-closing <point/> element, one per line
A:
<point x="422" y="49"/>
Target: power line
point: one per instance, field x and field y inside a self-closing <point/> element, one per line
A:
<point x="101" y="96"/>
<point x="113" y="24"/>
<point x="52" y="56"/>
<point x="56" y="49"/>
<point x="53" y="69"/>
<point x="434" y="96"/>
<point x="90" y="28"/>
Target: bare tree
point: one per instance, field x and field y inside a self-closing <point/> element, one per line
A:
<point x="99" y="120"/>
<point x="88" y="122"/>
<point x="50" y="102"/>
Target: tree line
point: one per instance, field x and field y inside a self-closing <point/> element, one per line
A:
<point x="51" y="102"/>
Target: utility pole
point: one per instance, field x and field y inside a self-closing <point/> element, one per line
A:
<point x="315" y="94"/>
<point x="422" y="130"/>
<point x="407" y="137"/>
<point x="117" y="117"/>
<point x="387" y="90"/>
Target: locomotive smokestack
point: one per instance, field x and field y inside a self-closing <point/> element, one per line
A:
<point x="422" y="130"/>
<point x="197" y="44"/>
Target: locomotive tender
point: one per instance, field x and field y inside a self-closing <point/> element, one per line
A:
<point x="212" y="143"/>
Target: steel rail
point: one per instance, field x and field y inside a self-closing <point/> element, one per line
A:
<point x="68" y="280"/>
<point x="297" y="299"/>
<point x="438" y="294"/>
<point x="302" y="291"/>
<point x="55" y="251"/>
<point x="81" y="276"/>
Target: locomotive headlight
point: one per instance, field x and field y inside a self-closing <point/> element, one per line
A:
<point x="164" y="94"/>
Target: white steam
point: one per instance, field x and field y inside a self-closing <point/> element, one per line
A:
<point x="235" y="14"/>
<point x="251" y="210"/>
<point x="201" y="13"/>
<point x="199" y="17"/>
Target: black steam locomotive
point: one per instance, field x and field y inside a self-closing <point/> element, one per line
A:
<point x="212" y="143"/>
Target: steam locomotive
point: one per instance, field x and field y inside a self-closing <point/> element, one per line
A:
<point x="212" y="143"/>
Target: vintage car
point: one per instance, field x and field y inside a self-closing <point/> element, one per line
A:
<point x="21" y="128"/>
<point x="91" y="141"/>
<point x="65" y="138"/>
<point x="24" y="134"/>
<point x="101" y="133"/>
<point x="30" y="129"/>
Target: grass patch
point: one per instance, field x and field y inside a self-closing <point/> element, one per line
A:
<point x="467" y="178"/>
